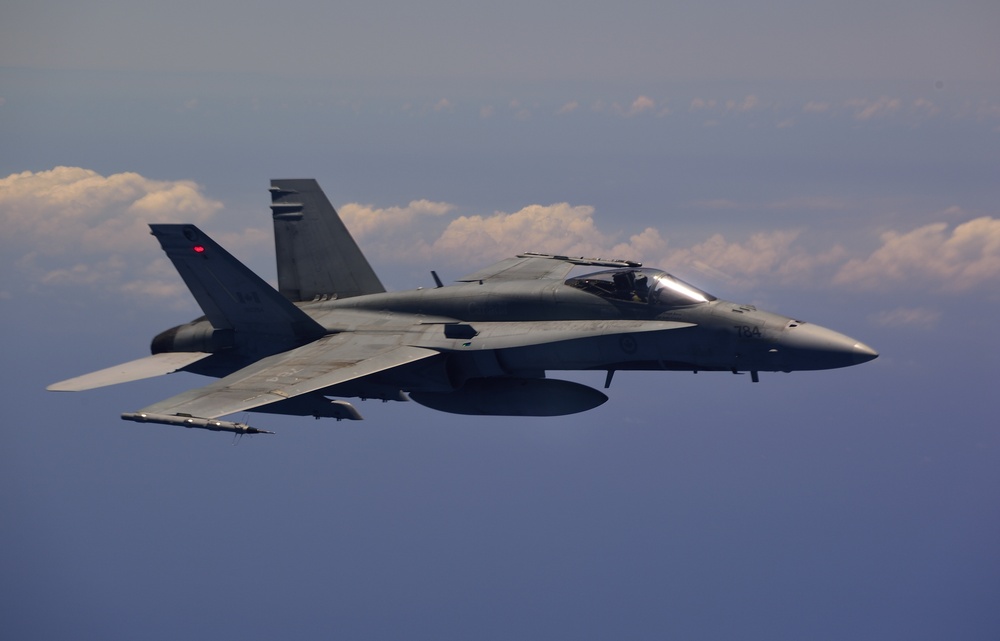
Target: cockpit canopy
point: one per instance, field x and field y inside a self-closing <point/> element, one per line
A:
<point x="647" y="286"/>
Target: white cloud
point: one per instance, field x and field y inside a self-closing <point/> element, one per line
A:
<point x="743" y="262"/>
<point x="559" y="229"/>
<point x="933" y="256"/>
<point x="865" y="109"/>
<point x="924" y="108"/>
<point x="697" y="104"/>
<point x="747" y="104"/>
<point x="78" y="210"/>
<point x="917" y="317"/>
<point x="568" y="108"/>
<point x="640" y="105"/>
<point x="73" y="226"/>
<point x="364" y="220"/>
<point x="953" y="212"/>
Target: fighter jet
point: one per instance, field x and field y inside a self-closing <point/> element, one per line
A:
<point x="482" y="346"/>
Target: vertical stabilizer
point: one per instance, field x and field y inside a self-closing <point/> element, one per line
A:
<point x="317" y="257"/>
<point x="232" y="296"/>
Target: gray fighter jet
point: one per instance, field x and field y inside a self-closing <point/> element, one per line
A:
<point x="483" y="346"/>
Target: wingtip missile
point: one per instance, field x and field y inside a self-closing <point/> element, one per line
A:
<point x="211" y="424"/>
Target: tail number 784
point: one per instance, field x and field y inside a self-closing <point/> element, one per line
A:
<point x="747" y="331"/>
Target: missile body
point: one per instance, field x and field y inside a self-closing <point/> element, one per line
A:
<point x="210" y="424"/>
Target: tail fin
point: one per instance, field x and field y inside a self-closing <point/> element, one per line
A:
<point x="317" y="257"/>
<point x="232" y="296"/>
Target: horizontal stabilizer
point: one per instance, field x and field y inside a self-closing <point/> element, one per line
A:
<point x="155" y="365"/>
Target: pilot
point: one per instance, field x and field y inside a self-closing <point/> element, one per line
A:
<point x="641" y="291"/>
<point x="623" y="285"/>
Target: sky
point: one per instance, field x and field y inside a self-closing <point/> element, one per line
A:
<point x="835" y="162"/>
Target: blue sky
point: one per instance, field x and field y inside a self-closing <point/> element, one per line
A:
<point x="837" y="163"/>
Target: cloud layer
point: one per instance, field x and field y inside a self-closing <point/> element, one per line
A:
<point x="73" y="226"/>
<point x="70" y="208"/>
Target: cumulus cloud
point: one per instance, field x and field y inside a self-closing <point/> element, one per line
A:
<point x="744" y="262"/>
<point x="74" y="208"/>
<point x="640" y="105"/>
<point x="73" y="226"/>
<point x="935" y="256"/>
<point x="363" y="220"/>
<point x="560" y="228"/>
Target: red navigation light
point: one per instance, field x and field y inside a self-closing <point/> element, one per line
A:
<point x="199" y="249"/>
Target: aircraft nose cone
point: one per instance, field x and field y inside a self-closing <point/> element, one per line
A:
<point x="863" y="353"/>
<point x="816" y="347"/>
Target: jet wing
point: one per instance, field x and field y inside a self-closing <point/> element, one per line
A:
<point x="148" y="367"/>
<point x="328" y="361"/>
<point x="533" y="266"/>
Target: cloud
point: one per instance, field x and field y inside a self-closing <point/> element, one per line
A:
<point x="865" y="109"/>
<point x="560" y="228"/>
<point x="759" y="255"/>
<point x="924" y="108"/>
<point x="75" y="209"/>
<point x="364" y="220"/>
<point x="747" y="104"/>
<point x="934" y="256"/>
<point x="568" y="108"/>
<point x="697" y="104"/>
<point x="813" y="107"/>
<point x="73" y="226"/>
<point x="639" y="105"/>
<point x="916" y="317"/>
